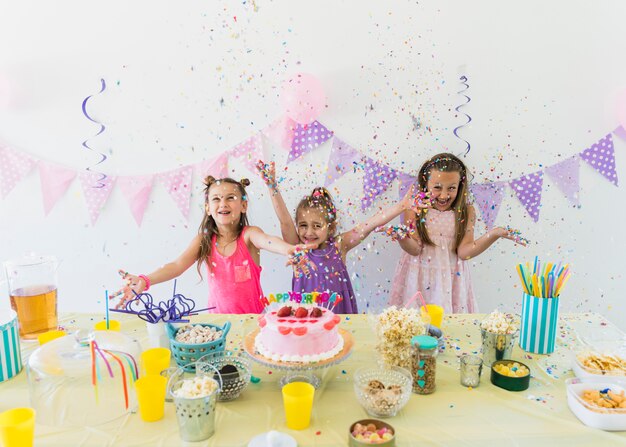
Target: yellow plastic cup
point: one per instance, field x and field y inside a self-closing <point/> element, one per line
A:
<point x="156" y="360"/>
<point x="49" y="336"/>
<point x="298" y="401"/>
<point x="435" y="312"/>
<point x="151" y="397"/>
<point x="17" y="427"/>
<point x="114" y="325"/>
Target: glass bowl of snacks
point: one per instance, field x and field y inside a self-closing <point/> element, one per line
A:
<point x="598" y="402"/>
<point x="382" y="391"/>
<point x="234" y="368"/>
<point x="590" y="363"/>
<point x="371" y="431"/>
<point x="510" y="375"/>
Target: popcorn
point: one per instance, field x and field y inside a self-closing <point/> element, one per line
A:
<point x="199" y="386"/>
<point x="197" y="334"/>
<point x="499" y="323"/>
<point x="395" y="328"/>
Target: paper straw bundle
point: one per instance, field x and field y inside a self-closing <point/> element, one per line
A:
<point x="543" y="283"/>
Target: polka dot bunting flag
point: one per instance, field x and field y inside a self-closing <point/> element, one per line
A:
<point x="178" y="185"/>
<point x="306" y="138"/>
<point x="14" y="166"/>
<point x="96" y="190"/>
<point x="377" y="179"/>
<point x="488" y="200"/>
<point x="527" y="188"/>
<point x="601" y="157"/>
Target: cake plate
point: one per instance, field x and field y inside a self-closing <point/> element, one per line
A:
<point x="299" y="371"/>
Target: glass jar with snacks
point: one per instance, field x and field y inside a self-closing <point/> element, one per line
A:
<point x="424" y="363"/>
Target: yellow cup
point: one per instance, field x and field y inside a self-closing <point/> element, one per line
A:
<point x="17" y="427"/>
<point x="114" y="325"/>
<point x="435" y="313"/>
<point x="49" y="336"/>
<point x="298" y="401"/>
<point x="151" y="397"/>
<point x="155" y="360"/>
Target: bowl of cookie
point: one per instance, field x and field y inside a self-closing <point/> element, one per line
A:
<point x="382" y="391"/>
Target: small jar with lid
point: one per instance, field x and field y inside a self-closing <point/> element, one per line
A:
<point x="423" y="363"/>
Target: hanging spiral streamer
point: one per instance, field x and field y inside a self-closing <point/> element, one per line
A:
<point x="103" y="156"/>
<point x="463" y="80"/>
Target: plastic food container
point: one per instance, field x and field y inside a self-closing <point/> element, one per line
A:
<point x="589" y="363"/>
<point x="354" y="442"/>
<point x="507" y="382"/>
<point x="596" y="417"/>
<point x="60" y="378"/>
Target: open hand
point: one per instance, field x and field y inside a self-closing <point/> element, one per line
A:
<point x="511" y="234"/>
<point x="416" y="200"/>
<point x="397" y="232"/>
<point x="300" y="262"/>
<point x="132" y="285"/>
<point x="267" y="172"/>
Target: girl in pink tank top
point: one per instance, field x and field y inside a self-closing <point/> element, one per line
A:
<point x="229" y="247"/>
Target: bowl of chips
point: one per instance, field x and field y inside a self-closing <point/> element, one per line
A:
<point x="589" y="363"/>
<point x="598" y="402"/>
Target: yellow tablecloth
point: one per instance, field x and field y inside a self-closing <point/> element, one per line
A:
<point x="452" y="416"/>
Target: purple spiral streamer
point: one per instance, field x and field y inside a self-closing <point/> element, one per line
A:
<point x="463" y="80"/>
<point x="103" y="156"/>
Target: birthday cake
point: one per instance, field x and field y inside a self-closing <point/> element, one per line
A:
<point x="299" y="328"/>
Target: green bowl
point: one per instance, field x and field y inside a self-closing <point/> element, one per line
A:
<point x="509" y="383"/>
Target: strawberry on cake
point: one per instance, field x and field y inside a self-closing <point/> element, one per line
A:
<point x="299" y="333"/>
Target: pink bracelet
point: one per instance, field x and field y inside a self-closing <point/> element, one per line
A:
<point x="145" y="280"/>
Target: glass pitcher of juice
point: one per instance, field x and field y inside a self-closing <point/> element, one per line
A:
<point x="32" y="283"/>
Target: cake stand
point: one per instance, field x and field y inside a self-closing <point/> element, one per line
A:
<point x="298" y="371"/>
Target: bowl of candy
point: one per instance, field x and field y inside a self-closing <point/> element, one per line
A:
<point x="598" y="402"/>
<point x="382" y="391"/>
<point x="371" y="431"/>
<point x="591" y="363"/>
<point x="510" y="375"/>
<point x="234" y="368"/>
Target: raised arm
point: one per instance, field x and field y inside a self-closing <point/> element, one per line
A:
<point x="287" y="226"/>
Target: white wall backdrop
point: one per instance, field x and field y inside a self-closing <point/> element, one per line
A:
<point x="187" y="81"/>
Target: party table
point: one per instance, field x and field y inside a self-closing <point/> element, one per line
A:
<point x="453" y="416"/>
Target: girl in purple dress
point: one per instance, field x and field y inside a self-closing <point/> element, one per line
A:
<point x="316" y="223"/>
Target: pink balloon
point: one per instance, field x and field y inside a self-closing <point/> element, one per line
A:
<point x="302" y="98"/>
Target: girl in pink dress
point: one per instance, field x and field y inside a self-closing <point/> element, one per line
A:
<point x="229" y="247"/>
<point x="435" y="255"/>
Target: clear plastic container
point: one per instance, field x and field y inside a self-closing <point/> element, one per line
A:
<point x="62" y="369"/>
<point x="424" y="363"/>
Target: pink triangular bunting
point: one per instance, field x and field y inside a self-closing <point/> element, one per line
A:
<point x="488" y="198"/>
<point x="306" y="138"/>
<point x="566" y="176"/>
<point x="281" y="132"/>
<point x="341" y="159"/>
<point x="528" y="188"/>
<point x="601" y="157"/>
<point x="96" y="190"/>
<point x="55" y="180"/>
<point x="250" y="152"/>
<point x="14" y="166"/>
<point x="216" y="167"/>
<point x="178" y="185"/>
<point x="620" y="132"/>
<point x="136" y="189"/>
<point x="376" y="180"/>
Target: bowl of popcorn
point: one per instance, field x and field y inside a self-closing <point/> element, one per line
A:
<point x="590" y="363"/>
<point x="235" y="371"/>
<point x="382" y="391"/>
<point x="510" y="375"/>
<point x="191" y="341"/>
<point x="598" y="402"/>
<point x="498" y="332"/>
<point x="371" y="431"/>
<point x="394" y="328"/>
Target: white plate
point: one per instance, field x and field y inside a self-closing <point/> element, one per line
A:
<point x="273" y="439"/>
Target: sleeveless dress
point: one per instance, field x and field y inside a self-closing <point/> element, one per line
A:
<point x="331" y="275"/>
<point x="437" y="271"/>
<point x="234" y="281"/>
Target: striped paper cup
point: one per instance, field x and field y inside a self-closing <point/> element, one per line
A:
<point x="540" y="318"/>
<point x="10" y="355"/>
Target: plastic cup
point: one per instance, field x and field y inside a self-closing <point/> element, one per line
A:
<point x="435" y="312"/>
<point x="151" y="397"/>
<point x="155" y="360"/>
<point x="17" y="427"/>
<point x="298" y="401"/>
<point x="114" y="325"/>
<point x="49" y="336"/>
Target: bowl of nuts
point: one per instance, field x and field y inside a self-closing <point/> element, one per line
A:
<point x="371" y="431"/>
<point x="382" y="391"/>
<point x="190" y="342"/>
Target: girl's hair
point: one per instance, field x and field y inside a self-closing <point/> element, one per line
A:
<point x="446" y="163"/>
<point x="320" y="199"/>
<point x="208" y="227"/>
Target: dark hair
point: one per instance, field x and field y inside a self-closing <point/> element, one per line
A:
<point x="319" y="199"/>
<point x="208" y="227"/>
<point x="446" y="163"/>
